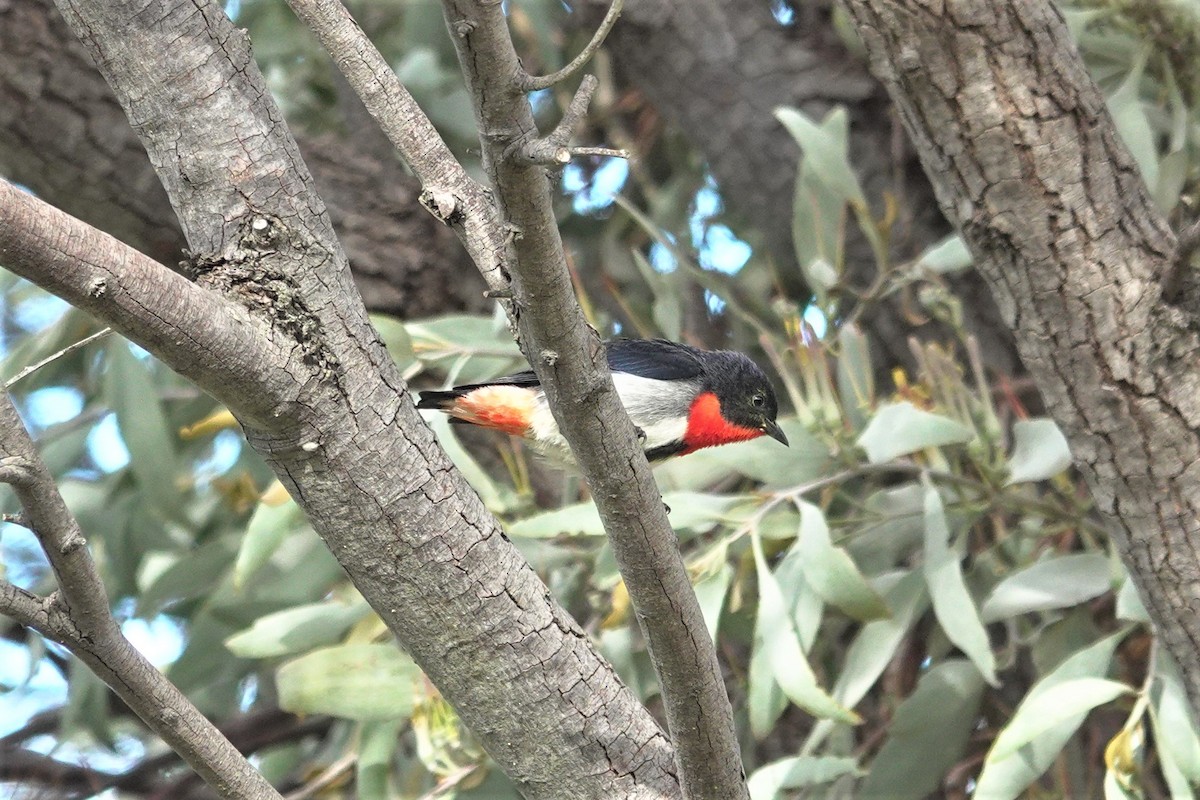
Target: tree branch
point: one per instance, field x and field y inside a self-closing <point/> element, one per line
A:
<point x="1027" y="162"/>
<point x="530" y="83"/>
<point x="162" y="311"/>
<point x="570" y="363"/>
<point x="344" y="436"/>
<point x="448" y="192"/>
<point x="78" y="617"/>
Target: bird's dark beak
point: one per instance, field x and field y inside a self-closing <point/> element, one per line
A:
<point x="772" y="429"/>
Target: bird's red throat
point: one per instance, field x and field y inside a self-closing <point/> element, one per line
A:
<point x="708" y="428"/>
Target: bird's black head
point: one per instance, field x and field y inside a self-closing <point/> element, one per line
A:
<point x="746" y="395"/>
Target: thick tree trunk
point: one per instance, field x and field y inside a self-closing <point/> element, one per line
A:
<point x="1025" y="159"/>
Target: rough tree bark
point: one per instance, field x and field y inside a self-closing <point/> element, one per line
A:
<point x="319" y="398"/>
<point x="1025" y="160"/>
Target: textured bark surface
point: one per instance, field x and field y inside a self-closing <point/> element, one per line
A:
<point x="1025" y="159"/>
<point x="63" y="134"/>
<point x="342" y="432"/>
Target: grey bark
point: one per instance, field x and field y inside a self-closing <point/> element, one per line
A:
<point x="63" y="134"/>
<point x="330" y="414"/>
<point x="571" y="366"/>
<point x="1025" y="160"/>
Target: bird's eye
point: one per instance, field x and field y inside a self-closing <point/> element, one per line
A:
<point x="758" y="400"/>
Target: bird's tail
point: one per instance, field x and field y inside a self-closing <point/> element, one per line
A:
<point x="440" y="400"/>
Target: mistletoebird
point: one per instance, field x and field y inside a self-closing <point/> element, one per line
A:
<point x="680" y="398"/>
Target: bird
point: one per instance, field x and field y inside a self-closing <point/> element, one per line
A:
<point x="680" y="398"/>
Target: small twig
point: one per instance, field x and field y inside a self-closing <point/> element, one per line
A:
<point x="1185" y="247"/>
<point x="71" y="348"/>
<point x="552" y="149"/>
<point x="612" y="152"/>
<point x="328" y="777"/>
<point x="449" y="782"/>
<point x="531" y="83"/>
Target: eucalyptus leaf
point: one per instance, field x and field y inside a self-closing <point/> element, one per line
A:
<point x="1005" y="778"/>
<point x="952" y="603"/>
<point x="797" y="772"/>
<point x="928" y="734"/>
<point x="1175" y="731"/>
<point x="295" y="630"/>
<point x="1042" y="711"/>
<point x="268" y="526"/>
<point x="710" y="593"/>
<point x="831" y="572"/>
<point x="1050" y="583"/>
<point x="947" y="257"/>
<point x="377" y="745"/>
<point x="898" y="429"/>
<point x="775" y="636"/>
<point x="364" y="682"/>
<point x="689" y="511"/>
<point x="855" y="374"/>
<point x="826" y="150"/>
<point x="1041" y="451"/>
<point x="134" y="396"/>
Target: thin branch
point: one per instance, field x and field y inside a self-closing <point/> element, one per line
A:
<point x="553" y="150"/>
<point x="50" y="359"/>
<point x="448" y="192"/>
<point x="569" y="360"/>
<point x="155" y="307"/>
<point x="78" y="616"/>
<point x="530" y="83"/>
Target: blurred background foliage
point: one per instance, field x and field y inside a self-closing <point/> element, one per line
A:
<point x="915" y="599"/>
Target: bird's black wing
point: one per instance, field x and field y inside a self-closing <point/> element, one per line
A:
<point x="647" y="358"/>
<point x="654" y="358"/>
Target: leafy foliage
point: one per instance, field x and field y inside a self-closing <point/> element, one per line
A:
<point x="915" y="597"/>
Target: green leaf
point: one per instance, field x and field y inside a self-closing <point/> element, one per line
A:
<point x="928" y="734"/>
<point x="831" y="572"/>
<point x="900" y="428"/>
<point x="1129" y="604"/>
<point x="947" y="257"/>
<point x="1175" y="732"/>
<point x="377" y="746"/>
<point x="797" y="772"/>
<point x="1041" y="451"/>
<point x="775" y="636"/>
<point x="873" y="647"/>
<point x="952" y="603"/>
<point x="365" y="682"/>
<point x="826" y="150"/>
<point x="479" y="345"/>
<point x="1050" y="583"/>
<point x="268" y="526"/>
<point x="1005" y="778"/>
<point x="134" y="396"/>
<point x="855" y="375"/>
<point x="1129" y="115"/>
<point x="172" y="578"/>
<point x="296" y="630"/>
<point x="1044" y="710"/>
<point x="711" y="592"/>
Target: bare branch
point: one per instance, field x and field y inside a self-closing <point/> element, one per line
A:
<point x="569" y="360"/>
<point x="552" y="150"/>
<point x="25" y="607"/>
<point x="78" y="616"/>
<point x="448" y="192"/>
<point x="50" y="359"/>
<point x="530" y="83"/>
